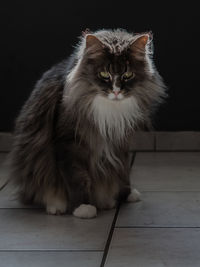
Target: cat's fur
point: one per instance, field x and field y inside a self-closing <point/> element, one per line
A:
<point x="72" y="136"/>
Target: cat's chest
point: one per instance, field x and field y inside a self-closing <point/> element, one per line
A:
<point x="114" y="118"/>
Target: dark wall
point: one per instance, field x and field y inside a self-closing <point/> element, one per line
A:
<point x="38" y="34"/>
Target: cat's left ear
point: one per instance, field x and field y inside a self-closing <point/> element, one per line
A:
<point x="141" y="45"/>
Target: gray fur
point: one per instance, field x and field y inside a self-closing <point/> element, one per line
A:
<point x="59" y="146"/>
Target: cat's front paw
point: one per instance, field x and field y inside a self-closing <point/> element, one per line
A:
<point x="134" y="196"/>
<point x="85" y="211"/>
<point x="55" y="203"/>
<point x="56" y="210"/>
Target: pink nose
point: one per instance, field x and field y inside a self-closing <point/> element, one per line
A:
<point x="116" y="93"/>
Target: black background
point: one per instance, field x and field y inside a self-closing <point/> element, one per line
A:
<point x="37" y="34"/>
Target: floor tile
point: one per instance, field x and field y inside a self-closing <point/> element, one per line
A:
<point x="8" y="199"/>
<point x="3" y="176"/>
<point x="33" y="229"/>
<point x="172" y="209"/>
<point x="154" y="247"/>
<point x="50" y="259"/>
<point x="166" y="171"/>
<point x="3" y="168"/>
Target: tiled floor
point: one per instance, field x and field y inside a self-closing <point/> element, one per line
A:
<point x="161" y="230"/>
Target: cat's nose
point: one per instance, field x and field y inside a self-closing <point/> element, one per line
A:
<point x="116" y="93"/>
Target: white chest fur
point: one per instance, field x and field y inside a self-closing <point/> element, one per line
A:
<point x="113" y="117"/>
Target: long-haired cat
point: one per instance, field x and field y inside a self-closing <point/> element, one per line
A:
<point x="72" y="136"/>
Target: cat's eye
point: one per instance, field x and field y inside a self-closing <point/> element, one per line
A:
<point x="127" y="75"/>
<point x="105" y="75"/>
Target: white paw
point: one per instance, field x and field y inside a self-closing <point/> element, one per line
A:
<point x="56" y="208"/>
<point x="85" y="211"/>
<point x="134" y="196"/>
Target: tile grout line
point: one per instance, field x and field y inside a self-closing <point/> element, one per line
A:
<point x="156" y="227"/>
<point x="147" y="150"/>
<point x="169" y="191"/>
<point x="4" y="185"/>
<point x="50" y="250"/>
<point x="22" y="208"/>
<point x="166" y="150"/>
<point x="110" y="237"/>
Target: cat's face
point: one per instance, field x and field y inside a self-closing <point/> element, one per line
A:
<point x="114" y="75"/>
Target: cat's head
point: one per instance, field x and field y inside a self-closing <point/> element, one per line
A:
<point x="114" y="62"/>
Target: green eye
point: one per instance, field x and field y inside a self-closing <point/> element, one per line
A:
<point x="127" y="75"/>
<point x="104" y="75"/>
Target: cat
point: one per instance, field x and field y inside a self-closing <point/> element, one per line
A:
<point x="72" y="136"/>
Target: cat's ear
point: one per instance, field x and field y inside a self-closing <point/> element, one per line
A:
<point x="141" y="44"/>
<point x="93" y="42"/>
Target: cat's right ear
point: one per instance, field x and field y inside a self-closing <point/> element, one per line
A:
<point x="92" y="42"/>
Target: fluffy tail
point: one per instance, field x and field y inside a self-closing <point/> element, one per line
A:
<point x="32" y="156"/>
